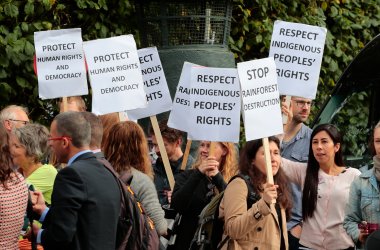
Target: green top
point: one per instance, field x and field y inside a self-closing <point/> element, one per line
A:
<point x="43" y="180"/>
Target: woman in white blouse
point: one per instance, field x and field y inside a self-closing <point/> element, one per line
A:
<point x="326" y="184"/>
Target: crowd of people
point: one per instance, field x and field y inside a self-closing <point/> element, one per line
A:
<point x="315" y="202"/>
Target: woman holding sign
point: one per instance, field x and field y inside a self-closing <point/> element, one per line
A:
<point x="326" y="183"/>
<point x="261" y="224"/>
<point x="195" y="188"/>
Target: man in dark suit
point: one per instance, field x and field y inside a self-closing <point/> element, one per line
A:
<point x="85" y="200"/>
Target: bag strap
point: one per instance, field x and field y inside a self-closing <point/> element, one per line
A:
<point x="109" y="167"/>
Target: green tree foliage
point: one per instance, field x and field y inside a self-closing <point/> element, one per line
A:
<point x="350" y="24"/>
<point x="18" y="22"/>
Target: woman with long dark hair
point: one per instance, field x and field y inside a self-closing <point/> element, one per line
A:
<point x="13" y="197"/>
<point x="326" y="182"/>
<point x="262" y="226"/>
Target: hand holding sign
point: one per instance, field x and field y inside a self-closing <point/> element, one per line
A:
<point x="261" y="107"/>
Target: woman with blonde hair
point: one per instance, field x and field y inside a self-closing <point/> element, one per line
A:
<point x="195" y="188"/>
<point x="126" y="148"/>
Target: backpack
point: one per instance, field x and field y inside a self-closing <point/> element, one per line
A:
<point x="210" y="227"/>
<point x="135" y="230"/>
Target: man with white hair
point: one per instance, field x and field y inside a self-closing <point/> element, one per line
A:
<point x="14" y="116"/>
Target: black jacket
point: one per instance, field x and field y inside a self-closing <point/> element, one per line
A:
<point x="85" y="207"/>
<point x="192" y="192"/>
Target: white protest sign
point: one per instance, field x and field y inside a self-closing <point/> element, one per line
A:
<point x="155" y="85"/>
<point x="181" y="104"/>
<point x="115" y="74"/>
<point x="297" y="50"/>
<point x="61" y="69"/>
<point x="261" y="99"/>
<point x="214" y="104"/>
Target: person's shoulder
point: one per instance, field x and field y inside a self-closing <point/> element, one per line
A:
<point x="237" y="184"/>
<point x="306" y="130"/>
<point x="353" y="171"/>
<point x="47" y="168"/>
<point x="139" y="175"/>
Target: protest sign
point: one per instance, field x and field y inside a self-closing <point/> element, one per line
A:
<point x="214" y="104"/>
<point x="261" y="100"/>
<point x="115" y="74"/>
<point x="61" y="69"/>
<point x="181" y="105"/>
<point x="155" y="85"/>
<point x="297" y="50"/>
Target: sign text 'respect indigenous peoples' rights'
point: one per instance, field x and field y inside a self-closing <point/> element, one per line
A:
<point x="214" y="104"/>
<point x="297" y="50"/>
<point x="155" y="85"/>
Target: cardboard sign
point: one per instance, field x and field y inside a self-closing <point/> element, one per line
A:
<point x="115" y="74"/>
<point x="60" y="63"/>
<point x="261" y="99"/>
<point x="155" y="85"/>
<point x="181" y="104"/>
<point x="297" y="50"/>
<point x="214" y="104"/>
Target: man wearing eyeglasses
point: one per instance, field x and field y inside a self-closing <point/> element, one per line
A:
<point x="85" y="200"/>
<point x="295" y="147"/>
<point x="14" y="116"/>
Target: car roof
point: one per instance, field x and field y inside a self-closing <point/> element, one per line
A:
<point x="362" y="73"/>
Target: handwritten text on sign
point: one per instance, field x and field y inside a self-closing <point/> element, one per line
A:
<point x="115" y="74"/>
<point x="261" y="100"/>
<point x="60" y="63"/>
<point x="297" y="50"/>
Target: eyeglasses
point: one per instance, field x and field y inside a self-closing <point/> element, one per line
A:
<point x="23" y="122"/>
<point x="59" y="138"/>
<point x="302" y="104"/>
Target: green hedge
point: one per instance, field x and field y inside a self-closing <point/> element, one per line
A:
<point x="350" y="23"/>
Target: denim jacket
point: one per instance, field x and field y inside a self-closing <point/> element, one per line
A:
<point x="363" y="204"/>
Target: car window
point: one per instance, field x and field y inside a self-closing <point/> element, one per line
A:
<point x="352" y="120"/>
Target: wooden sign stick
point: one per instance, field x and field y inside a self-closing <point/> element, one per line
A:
<point x="186" y="154"/>
<point x="212" y="149"/>
<point x="122" y="116"/>
<point x="268" y="164"/>
<point x="64" y="103"/>
<point x="164" y="155"/>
